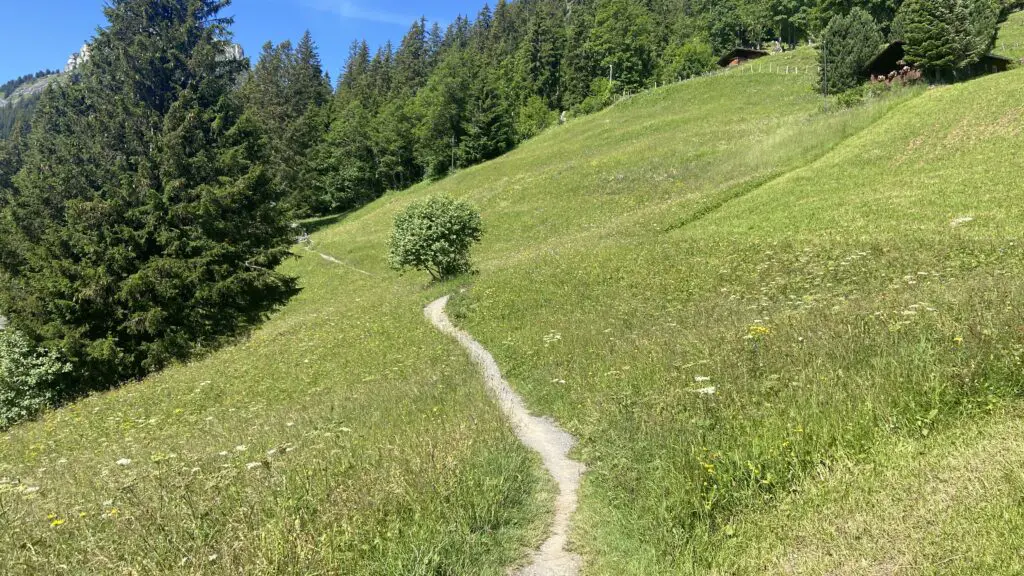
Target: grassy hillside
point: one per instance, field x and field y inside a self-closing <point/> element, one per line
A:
<point x="1011" y="37"/>
<point x="344" y="437"/>
<point x="847" y="280"/>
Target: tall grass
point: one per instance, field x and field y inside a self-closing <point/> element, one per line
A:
<point x="344" y="437"/>
<point x="729" y="228"/>
<point x="737" y="300"/>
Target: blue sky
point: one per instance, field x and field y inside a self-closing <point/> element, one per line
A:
<point x="41" y="34"/>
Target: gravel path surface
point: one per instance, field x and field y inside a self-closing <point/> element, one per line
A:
<point x="539" y="434"/>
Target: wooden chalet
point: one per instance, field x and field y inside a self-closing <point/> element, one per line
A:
<point x="738" y="56"/>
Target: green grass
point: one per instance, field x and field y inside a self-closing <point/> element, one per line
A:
<point x="725" y="228"/>
<point x="940" y="505"/>
<point x="1011" y="37"/>
<point x="390" y="458"/>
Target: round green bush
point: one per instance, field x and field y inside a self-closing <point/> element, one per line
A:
<point x="435" y="235"/>
<point x="27" y="376"/>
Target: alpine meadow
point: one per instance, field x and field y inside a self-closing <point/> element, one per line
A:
<point x="599" y="287"/>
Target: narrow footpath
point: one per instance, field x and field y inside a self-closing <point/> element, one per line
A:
<point x="539" y="434"/>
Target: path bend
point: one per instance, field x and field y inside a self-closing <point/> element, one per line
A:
<point x="543" y="436"/>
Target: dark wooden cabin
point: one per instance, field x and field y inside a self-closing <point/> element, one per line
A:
<point x="992" y="63"/>
<point x="738" y="56"/>
<point x="888" y="60"/>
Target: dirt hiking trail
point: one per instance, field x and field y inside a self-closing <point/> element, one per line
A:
<point x="539" y="434"/>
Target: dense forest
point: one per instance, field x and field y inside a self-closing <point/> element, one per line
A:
<point x="444" y="99"/>
<point x="13" y="113"/>
<point x="18" y="113"/>
<point x="144" y="211"/>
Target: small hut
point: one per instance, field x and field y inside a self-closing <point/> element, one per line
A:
<point x="738" y="56"/>
<point x="993" y="63"/>
<point x="889" y="60"/>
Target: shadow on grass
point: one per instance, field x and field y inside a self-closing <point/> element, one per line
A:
<point x="312" y="225"/>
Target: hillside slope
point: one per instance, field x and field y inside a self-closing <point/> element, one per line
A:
<point x="847" y="280"/>
<point x="832" y="302"/>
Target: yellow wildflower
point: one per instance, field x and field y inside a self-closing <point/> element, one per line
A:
<point x="57" y="522"/>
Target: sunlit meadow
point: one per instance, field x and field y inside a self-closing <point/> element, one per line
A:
<point x="756" y="313"/>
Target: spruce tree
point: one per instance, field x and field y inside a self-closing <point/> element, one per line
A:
<point x="579" y="65"/>
<point x="945" y="37"/>
<point x="441" y="107"/>
<point x="623" y="40"/>
<point x="847" y="45"/>
<point x="145" y="225"/>
<point x="12" y="152"/>
<point x="287" y="94"/>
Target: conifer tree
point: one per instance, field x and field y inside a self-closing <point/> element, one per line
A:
<point x="623" y="40"/>
<point x="412" y="61"/>
<point x="441" y="107"/>
<point x="12" y="152"/>
<point x="579" y="65"/>
<point x="145" y="225"/>
<point x="287" y="94"/>
<point x="946" y="36"/>
<point x="847" y="45"/>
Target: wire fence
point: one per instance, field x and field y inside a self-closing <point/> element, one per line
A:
<point x="750" y="67"/>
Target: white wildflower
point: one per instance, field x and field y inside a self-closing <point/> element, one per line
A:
<point x="253" y="465"/>
<point x="223" y="453"/>
<point x="124" y="462"/>
<point x="240" y="448"/>
<point x="699" y="379"/>
<point x="709" y="391"/>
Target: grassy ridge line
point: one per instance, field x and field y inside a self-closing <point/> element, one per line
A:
<point x="746" y="188"/>
<point x="342" y="437"/>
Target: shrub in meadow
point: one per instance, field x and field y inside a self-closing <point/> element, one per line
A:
<point x="435" y="235"/>
<point x="26" y="378"/>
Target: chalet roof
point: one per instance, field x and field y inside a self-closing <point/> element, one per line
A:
<point x="743" y="53"/>
<point x="885" y="61"/>
<point x="998" y="58"/>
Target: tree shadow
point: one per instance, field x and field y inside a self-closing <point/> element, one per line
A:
<point x="316" y="224"/>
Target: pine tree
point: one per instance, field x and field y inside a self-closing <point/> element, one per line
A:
<point x="946" y="36"/>
<point x="579" y="66"/>
<point x="12" y="152"/>
<point x="145" y="225"/>
<point x="412" y="66"/>
<point x="623" y="40"/>
<point x="441" y="107"/>
<point x="287" y="93"/>
<point x="540" y="54"/>
<point x="309" y="86"/>
<point x="847" y="45"/>
<point x="487" y="128"/>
